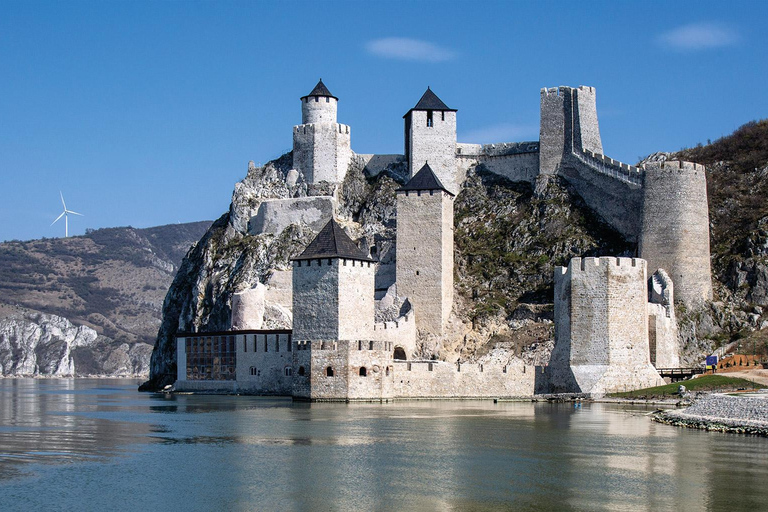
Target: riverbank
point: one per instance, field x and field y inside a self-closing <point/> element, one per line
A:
<point x="745" y="414"/>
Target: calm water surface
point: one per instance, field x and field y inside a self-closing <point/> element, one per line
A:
<point x="100" y="445"/>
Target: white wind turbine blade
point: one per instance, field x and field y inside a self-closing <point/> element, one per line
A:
<point x="75" y="213"/>
<point x="57" y="218"/>
<point x="62" y="200"/>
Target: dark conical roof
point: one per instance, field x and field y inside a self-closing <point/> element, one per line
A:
<point x="320" y="90"/>
<point x="430" y="101"/>
<point x="425" y="179"/>
<point x="332" y="242"/>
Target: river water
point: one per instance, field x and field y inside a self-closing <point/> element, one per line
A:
<point x="100" y="445"/>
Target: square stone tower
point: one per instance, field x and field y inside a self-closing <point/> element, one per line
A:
<point x="321" y="146"/>
<point x="333" y="315"/>
<point x="425" y="249"/>
<point x="430" y="136"/>
<point x="601" y="327"/>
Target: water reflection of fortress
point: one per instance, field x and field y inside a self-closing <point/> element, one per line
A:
<point x="614" y="317"/>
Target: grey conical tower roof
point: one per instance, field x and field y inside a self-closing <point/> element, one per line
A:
<point x="430" y="101"/>
<point x="320" y="90"/>
<point x="332" y="242"/>
<point x="425" y="179"/>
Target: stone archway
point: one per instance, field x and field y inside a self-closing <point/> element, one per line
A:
<point x="399" y="354"/>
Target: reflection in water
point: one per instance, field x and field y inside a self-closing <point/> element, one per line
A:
<point x="96" y="444"/>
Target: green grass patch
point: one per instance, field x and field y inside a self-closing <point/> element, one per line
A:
<point x="702" y="383"/>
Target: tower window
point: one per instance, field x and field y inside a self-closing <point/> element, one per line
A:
<point x="327" y="99"/>
<point x="430" y="122"/>
<point x="329" y="372"/>
<point x="301" y="370"/>
<point x="288" y="371"/>
<point x="363" y="371"/>
<point x="317" y="99"/>
<point x="443" y="115"/>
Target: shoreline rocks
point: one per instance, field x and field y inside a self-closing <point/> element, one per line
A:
<point x="721" y="413"/>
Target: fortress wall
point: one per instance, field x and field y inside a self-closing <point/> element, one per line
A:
<point x="268" y="355"/>
<point x="378" y="381"/>
<point x="434" y="144"/>
<point x="316" y="299"/>
<point x="274" y="215"/>
<point x="400" y="333"/>
<point x="552" y="128"/>
<point x="662" y="337"/>
<point x="316" y="109"/>
<point x="438" y="379"/>
<point x="355" y="298"/>
<point x="675" y="227"/>
<point x="616" y="201"/>
<point x="322" y="151"/>
<point x="515" y="167"/>
<point x="425" y="255"/>
<point x="586" y="131"/>
<point x="601" y="339"/>
<point x="374" y="164"/>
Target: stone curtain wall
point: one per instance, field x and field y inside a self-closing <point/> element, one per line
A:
<point x="274" y="215"/>
<point x="675" y="227"/>
<point x="268" y="355"/>
<point x="437" y="379"/>
<point x="425" y="255"/>
<point x="435" y="144"/>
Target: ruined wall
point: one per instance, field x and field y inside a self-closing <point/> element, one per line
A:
<point x="675" y="227"/>
<point x="399" y="333"/>
<point x="373" y="164"/>
<point x="322" y="151"/>
<point x="435" y="144"/>
<point x="516" y="161"/>
<point x="425" y="255"/>
<point x="662" y="324"/>
<point x="601" y="327"/>
<point x="438" y="379"/>
<point x="274" y="215"/>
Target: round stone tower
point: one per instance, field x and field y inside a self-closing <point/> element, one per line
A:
<point x="319" y="106"/>
<point x="321" y="146"/>
<point x="675" y="228"/>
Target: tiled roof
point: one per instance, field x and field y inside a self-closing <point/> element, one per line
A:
<point x="320" y="90"/>
<point x="425" y="179"/>
<point x="333" y="242"/>
<point x="430" y="101"/>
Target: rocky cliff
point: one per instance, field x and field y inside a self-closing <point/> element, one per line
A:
<point x="87" y="305"/>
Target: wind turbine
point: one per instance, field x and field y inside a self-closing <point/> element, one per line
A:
<point x="65" y="214"/>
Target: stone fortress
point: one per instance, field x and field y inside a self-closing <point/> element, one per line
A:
<point x="614" y="316"/>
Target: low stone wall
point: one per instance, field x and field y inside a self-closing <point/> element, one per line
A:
<point x="438" y="379"/>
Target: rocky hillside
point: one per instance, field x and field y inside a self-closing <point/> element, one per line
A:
<point x="88" y="305"/>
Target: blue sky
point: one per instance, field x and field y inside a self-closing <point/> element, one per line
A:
<point x="147" y="113"/>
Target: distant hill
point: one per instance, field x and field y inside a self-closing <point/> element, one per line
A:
<point x="111" y="280"/>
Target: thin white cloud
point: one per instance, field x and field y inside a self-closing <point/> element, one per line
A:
<point x="403" y="48"/>
<point x="699" y="36"/>
<point x="502" y="132"/>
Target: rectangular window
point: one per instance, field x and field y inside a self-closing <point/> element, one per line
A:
<point x="429" y="118"/>
<point x="266" y="347"/>
<point x="277" y="343"/>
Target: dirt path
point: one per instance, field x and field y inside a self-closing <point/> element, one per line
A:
<point x="760" y="376"/>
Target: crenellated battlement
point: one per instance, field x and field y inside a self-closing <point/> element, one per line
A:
<point x="599" y="263"/>
<point x="675" y="165"/>
<point x="310" y="128"/>
<point x="610" y="167"/>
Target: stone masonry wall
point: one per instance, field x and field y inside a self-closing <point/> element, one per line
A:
<point x="355" y="299"/>
<point x="552" y="129"/>
<point x="675" y="227"/>
<point x="316" y="299"/>
<point x="438" y="379"/>
<point x="318" y="109"/>
<point x="274" y="215"/>
<point x="435" y="144"/>
<point x="601" y="327"/>
<point x="586" y="131"/>
<point x="322" y="151"/>
<point x="425" y="255"/>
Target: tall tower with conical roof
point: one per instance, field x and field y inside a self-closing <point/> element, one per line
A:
<point x="321" y="146"/>
<point x="430" y="136"/>
<point x="425" y="249"/>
